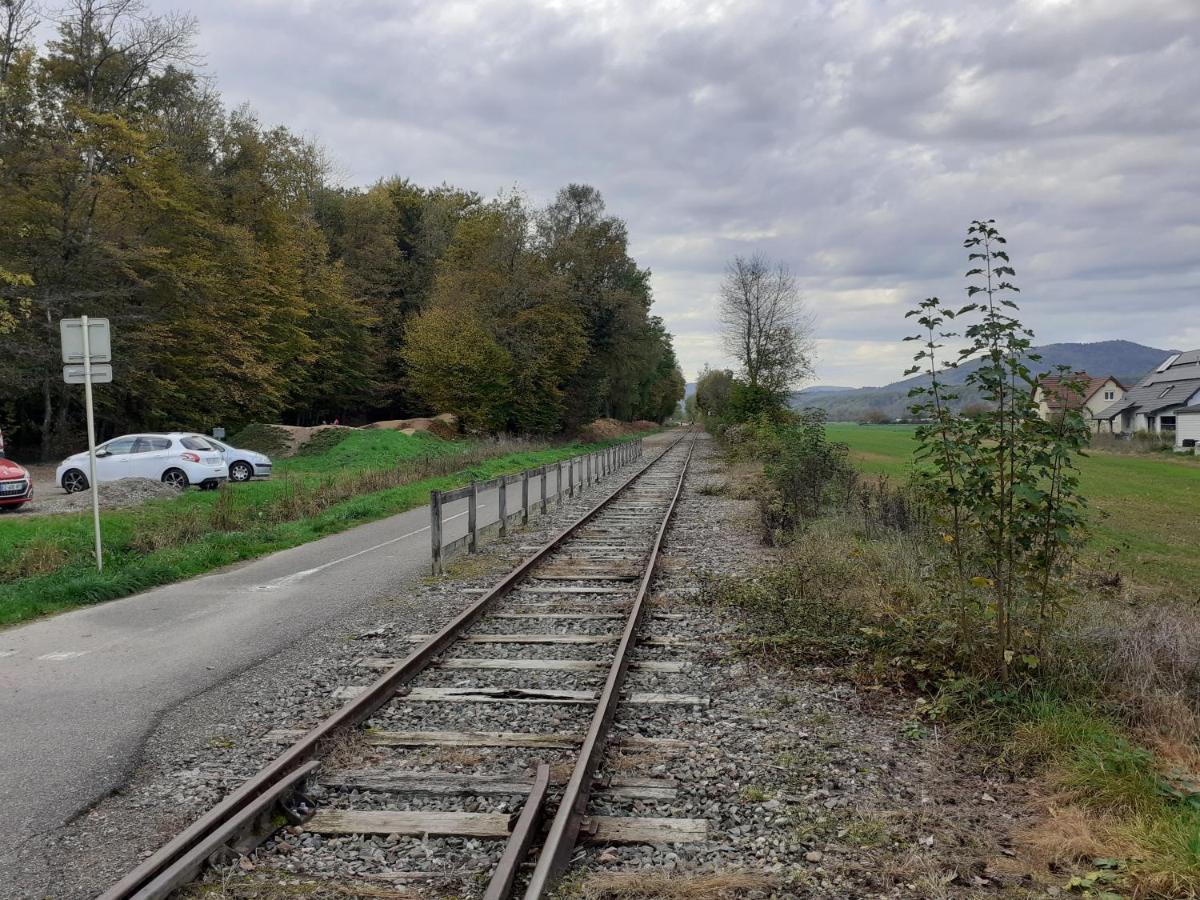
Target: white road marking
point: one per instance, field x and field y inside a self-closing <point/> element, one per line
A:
<point x="64" y="654"/>
<point x="287" y="580"/>
<point x="4" y="653"/>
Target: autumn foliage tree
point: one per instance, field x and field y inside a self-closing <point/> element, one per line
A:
<point x="242" y="285"/>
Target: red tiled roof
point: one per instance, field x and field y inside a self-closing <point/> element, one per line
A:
<point x="1059" y="397"/>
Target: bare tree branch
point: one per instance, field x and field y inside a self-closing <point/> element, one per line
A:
<point x="767" y="326"/>
<point x="18" y="18"/>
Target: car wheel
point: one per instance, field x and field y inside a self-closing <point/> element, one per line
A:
<point x="175" y="478"/>
<point x="240" y="471"/>
<point x="74" y="481"/>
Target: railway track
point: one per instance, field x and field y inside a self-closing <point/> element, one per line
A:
<point x="536" y="668"/>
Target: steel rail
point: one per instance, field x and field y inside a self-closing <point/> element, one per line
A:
<point x="164" y="870"/>
<point x="568" y="821"/>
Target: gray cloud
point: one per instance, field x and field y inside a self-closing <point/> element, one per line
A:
<point x="852" y="139"/>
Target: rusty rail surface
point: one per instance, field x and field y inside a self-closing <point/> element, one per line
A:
<point x="236" y="819"/>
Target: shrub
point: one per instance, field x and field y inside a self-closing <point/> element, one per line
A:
<point x="804" y="472"/>
<point x="1003" y="483"/>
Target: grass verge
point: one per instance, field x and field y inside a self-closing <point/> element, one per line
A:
<point x="1109" y="731"/>
<point x="1143" y="507"/>
<point x="45" y="561"/>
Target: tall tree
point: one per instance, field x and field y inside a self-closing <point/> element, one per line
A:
<point x="767" y="326"/>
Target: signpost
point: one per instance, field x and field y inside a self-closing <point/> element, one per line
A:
<point x="88" y="341"/>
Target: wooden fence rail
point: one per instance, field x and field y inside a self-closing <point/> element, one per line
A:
<point x="570" y="475"/>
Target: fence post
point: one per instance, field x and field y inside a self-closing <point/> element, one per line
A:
<point x="502" y="503"/>
<point x="472" y="517"/>
<point x="545" y="478"/>
<point x="589" y="468"/>
<point x="435" y="530"/>
<point x="558" y="485"/>
<point x="525" y="497"/>
<point x="571" y="477"/>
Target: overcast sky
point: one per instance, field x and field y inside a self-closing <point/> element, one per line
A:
<point x="852" y="139"/>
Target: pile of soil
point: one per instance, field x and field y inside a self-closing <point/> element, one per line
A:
<point x="607" y="429"/>
<point x="278" y="440"/>
<point x="120" y="494"/>
<point x="444" y="425"/>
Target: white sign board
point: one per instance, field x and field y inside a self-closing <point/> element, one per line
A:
<point x="101" y="374"/>
<point x="99" y="340"/>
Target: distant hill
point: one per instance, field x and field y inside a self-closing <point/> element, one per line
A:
<point x="1125" y="360"/>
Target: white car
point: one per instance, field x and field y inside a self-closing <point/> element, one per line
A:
<point x="244" y="465"/>
<point x="178" y="459"/>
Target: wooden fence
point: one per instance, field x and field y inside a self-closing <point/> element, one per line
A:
<point x="550" y="483"/>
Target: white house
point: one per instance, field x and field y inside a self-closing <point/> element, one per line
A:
<point x="1090" y="394"/>
<point x="1156" y="402"/>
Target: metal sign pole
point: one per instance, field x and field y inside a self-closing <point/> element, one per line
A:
<point x="91" y="430"/>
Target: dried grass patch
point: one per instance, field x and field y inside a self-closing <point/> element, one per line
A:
<point x="1070" y="834"/>
<point x="348" y="749"/>
<point x="662" y="886"/>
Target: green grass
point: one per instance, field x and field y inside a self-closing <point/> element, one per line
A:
<point x="1145" y="509"/>
<point x="46" y="563"/>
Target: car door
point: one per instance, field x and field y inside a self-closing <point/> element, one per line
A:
<point x="114" y="463"/>
<point x="149" y="457"/>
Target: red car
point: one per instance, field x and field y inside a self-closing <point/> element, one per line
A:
<point x="16" y="487"/>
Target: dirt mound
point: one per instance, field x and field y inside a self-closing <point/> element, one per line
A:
<point x="607" y="429"/>
<point x="444" y="425"/>
<point x="120" y="494"/>
<point x="278" y="440"/>
<point x="299" y="435"/>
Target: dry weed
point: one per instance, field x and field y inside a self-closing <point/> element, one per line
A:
<point x="1148" y="649"/>
<point x="1069" y="834"/>
<point x="39" y="557"/>
<point x="348" y="749"/>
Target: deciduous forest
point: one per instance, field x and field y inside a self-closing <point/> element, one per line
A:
<point x="243" y="284"/>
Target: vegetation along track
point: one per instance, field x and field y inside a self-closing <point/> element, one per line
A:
<point x="570" y="614"/>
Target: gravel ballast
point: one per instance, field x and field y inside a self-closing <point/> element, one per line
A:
<point x="808" y="785"/>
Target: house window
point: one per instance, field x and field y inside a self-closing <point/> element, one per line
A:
<point x="1108" y="395"/>
<point x="1166" y="423"/>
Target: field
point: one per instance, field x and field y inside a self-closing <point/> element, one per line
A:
<point x="1145" y="511"/>
<point x="349" y="478"/>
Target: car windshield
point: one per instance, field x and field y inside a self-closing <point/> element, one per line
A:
<point x="195" y="442"/>
<point x="218" y="445"/>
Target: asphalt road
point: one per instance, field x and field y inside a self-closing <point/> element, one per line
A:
<point x="81" y="692"/>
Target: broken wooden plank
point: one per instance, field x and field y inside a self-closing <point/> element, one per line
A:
<point x="547" y="665"/>
<point x="585" y="576"/>
<point x="558" y="615"/>
<point x="472" y="739"/>
<point x="527" y="638"/>
<point x="379" y="821"/>
<point x="638" y="830"/>
<point x="451" y="784"/>
<point x="524" y="695"/>
<point x="427" y="783"/>
<point x="568" y="589"/>
<point x="499" y="695"/>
